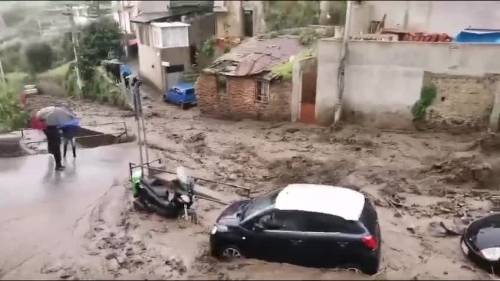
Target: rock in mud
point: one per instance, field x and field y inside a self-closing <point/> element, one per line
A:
<point x="196" y="138"/>
<point x="292" y="130"/>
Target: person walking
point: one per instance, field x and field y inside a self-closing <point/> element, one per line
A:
<point x="53" y="117"/>
<point x="69" y="132"/>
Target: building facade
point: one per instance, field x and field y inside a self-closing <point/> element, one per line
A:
<point x="242" y="83"/>
<point x="449" y="17"/>
<point x="168" y="41"/>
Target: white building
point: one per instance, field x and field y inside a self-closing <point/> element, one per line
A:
<point x="427" y="16"/>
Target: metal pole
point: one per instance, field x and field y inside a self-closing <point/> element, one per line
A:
<point x="2" y="73"/>
<point x="341" y="70"/>
<point x="74" y="40"/>
<point x="143" y="126"/>
<point x="138" y="109"/>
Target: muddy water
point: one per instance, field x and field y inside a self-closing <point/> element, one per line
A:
<point x="410" y="170"/>
<point x="40" y="209"/>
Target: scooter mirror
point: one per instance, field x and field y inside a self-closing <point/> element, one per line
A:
<point x="183" y="176"/>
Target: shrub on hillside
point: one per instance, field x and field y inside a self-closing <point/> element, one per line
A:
<point x="39" y="57"/>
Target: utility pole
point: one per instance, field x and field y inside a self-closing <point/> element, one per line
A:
<point x="2" y="73"/>
<point x="337" y="111"/>
<point x="74" y="40"/>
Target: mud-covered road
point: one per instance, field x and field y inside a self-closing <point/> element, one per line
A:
<point x="417" y="180"/>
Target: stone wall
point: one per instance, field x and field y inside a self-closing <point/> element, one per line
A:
<point x="462" y="102"/>
<point x="237" y="101"/>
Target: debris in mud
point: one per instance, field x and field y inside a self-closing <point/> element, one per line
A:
<point x="176" y="265"/>
<point x="439" y="229"/>
<point x="195" y="138"/>
<point x="462" y="168"/>
<point x="305" y="170"/>
<point x="353" y="140"/>
<point x="292" y="130"/>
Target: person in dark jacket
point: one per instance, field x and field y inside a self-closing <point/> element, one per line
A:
<point x="54" y="144"/>
<point x="53" y="117"/>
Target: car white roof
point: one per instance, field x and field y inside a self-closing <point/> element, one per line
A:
<point x="332" y="200"/>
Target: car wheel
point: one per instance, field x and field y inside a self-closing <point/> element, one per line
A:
<point x="370" y="267"/>
<point x="183" y="106"/>
<point x="230" y="253"/>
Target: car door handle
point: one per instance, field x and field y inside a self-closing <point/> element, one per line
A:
<point x="296" y="242"/>
<point x="342" y="244"/>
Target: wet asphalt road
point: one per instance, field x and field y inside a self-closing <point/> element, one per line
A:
<point x="41" y="209"/>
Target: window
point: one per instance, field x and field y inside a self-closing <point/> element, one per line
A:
<point x="282" y="220"/>
<point x="318" y="222"/>
<point x="262" y="91"/>
<point x="221" y="84"/>
<point x="175" y="68"/>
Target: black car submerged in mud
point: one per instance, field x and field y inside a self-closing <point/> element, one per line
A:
<point x="481" y="242"/>
<point x="305" y="224"/>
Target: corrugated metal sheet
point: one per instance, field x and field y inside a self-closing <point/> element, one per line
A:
<point x="254" y="56"/>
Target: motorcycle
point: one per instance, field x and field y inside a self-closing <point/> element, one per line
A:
<point x="168" y="198"/>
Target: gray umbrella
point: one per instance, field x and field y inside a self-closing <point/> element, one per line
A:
<point x="54" y="115"/>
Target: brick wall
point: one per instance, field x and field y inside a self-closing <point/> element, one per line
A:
<point x="239" y="102"/>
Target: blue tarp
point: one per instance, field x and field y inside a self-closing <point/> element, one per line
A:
<point x="472" y="35"/>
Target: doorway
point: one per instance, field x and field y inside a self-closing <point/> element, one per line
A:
<point x="248" y="23"/>
<point x="308" y="94"/>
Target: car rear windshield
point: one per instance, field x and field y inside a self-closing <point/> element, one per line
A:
<point x="190" y="92"/>
<point x="369" y="217"/>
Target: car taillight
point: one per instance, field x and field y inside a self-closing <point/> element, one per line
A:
<point x="370" y="242"/>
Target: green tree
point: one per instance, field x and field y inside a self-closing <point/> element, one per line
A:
<point x="39" y="57"/>
<point x="288" y="14"/>
<point x="12" y="116"/>
<point x="98" y="41"/>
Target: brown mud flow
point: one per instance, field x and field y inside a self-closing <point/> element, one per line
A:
<point x="419" y="182"/>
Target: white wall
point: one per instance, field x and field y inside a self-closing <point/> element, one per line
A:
<point x="230" y="23"/>
<point x="152" y="6"/>
<point x="150" y="65"/>
<point x="383" y="79"/>
<point x="435" y="16"/>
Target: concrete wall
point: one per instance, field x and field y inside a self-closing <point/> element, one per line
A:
<point x="384" y="79"/>
<point x="239" y="100"/>
<point x="174" y="56"/>
<point x="259" y="21"/>
<point x="230" y="23"/>
<point x="201" y="28"/>
<point x="150" y="68"/>
<point x="435" y="16"/>
<point x="152" y="6"/>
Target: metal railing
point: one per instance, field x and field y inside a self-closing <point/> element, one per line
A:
<point x="124" y="133"/>
<point x="132" y="166"/>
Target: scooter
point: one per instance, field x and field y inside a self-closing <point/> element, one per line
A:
<point x="166" y="198"/>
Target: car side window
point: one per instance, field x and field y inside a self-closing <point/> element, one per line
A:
<point x="269" y="221"/>
<point x="318" y="222"/>
<point x="281" y="220"/>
